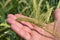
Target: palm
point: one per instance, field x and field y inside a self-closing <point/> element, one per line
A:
<point x="27" y="30"/>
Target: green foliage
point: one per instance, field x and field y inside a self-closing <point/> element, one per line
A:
<point x="39" y="9"/>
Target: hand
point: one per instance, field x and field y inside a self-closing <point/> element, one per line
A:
<point x="29" y="31"/>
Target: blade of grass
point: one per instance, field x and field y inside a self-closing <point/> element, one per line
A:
<point x="1" y="4"/>
<point x="58" y="6"/>
<point x="6" y="3"/>
<point x="35" y="8"/>
<point x="23" y="10"/>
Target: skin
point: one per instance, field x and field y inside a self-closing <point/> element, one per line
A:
<point x="57" y="23"/>
<point x="26" y="31"/>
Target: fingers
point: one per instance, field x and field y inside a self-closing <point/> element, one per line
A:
<point x="15" y="16"/>
<point x="11" y="16"/>
<point x="18" y="24"/>
<point x="23" y="22"/>
<point x="11" y="21"/>
<point x="21" y="32"/>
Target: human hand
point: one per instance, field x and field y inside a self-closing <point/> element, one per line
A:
<point x="24" y="29"/>
<point x="26" y="32"/>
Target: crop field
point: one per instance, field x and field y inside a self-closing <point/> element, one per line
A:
<point x="40" y="9"/>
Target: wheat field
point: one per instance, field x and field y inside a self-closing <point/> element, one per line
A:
<point x="39" y="9"/>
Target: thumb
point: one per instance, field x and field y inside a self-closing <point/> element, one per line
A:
<point x="57" y="22"/>
<point x="57" y="14"/>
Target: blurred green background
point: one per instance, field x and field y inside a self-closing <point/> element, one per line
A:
<point x="40" y="9"/>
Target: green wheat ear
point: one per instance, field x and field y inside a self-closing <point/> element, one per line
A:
<point x="31" y="20"/>
<point x="38" y="23"/>
<point x="34" y="21"/>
